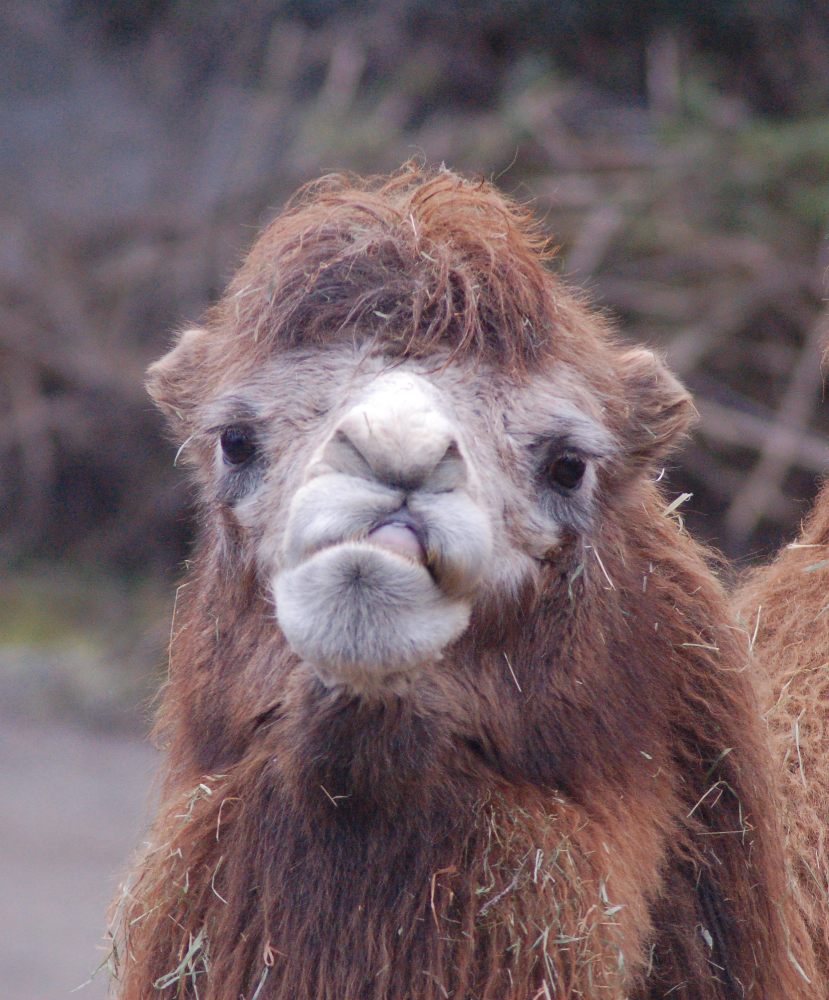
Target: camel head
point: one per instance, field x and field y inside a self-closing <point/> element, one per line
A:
<point x="399" y="415"/>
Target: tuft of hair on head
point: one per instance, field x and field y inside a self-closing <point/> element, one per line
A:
<point x="425" y="259"/>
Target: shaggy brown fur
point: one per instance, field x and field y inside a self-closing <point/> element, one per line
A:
<point x="594" y="821"/>
<point x="785" y="606"/>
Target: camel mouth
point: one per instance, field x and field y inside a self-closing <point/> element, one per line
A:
<point x="374" y="584"/>
<point x="401" y="535"/>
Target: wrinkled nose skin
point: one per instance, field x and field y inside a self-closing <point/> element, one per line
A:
<point x="398" y="437"/>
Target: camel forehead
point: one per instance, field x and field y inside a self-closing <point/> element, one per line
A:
<point x="308" y="385"/>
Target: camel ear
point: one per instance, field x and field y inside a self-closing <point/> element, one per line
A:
<point x="660" y="409"/>
<point x="171" y="380"/>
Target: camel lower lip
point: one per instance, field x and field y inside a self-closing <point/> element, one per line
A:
<point x="359" y="613"/>
<point x="400" y="539"/>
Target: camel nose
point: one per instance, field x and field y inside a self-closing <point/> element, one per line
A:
<point x="398" y="436"/>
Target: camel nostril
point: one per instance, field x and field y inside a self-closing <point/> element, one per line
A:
<point x="450" y="473"/>
<point x="342" y="454"/>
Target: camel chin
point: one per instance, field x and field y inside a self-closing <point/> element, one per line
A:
<point x="365" y="616"/>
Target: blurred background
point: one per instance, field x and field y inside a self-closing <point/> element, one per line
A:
<point x="678" y="153"/>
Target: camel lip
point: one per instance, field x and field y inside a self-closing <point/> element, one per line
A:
<point x="409" y="542"/>
<point x="405" y="519"/>
<point x="417" y="555"/>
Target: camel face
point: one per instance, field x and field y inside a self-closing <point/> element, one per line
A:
<point x="400" y="419"/>
<point x="406" y="494"/>
<point x="405" y="427"/>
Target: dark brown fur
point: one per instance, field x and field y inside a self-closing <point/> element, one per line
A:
<point x="600" y="824"/>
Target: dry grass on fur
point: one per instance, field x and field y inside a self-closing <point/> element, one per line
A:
<point x="541" y="908"/>
<point x="166" y="877"/>
<point x="579" y="922"/>
<point x="785" y="607"/>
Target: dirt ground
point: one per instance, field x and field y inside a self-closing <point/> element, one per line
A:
<point x="73" y="804"/>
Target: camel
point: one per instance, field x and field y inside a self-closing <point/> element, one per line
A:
<point x="456" y="708"/>
<point x="784" y="607"/>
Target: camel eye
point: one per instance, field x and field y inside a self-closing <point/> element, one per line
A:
<point x="566" y="471"/>
<point x="238" y="444"/>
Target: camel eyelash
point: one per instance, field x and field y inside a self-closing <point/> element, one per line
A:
<point x="547" y="451"/>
